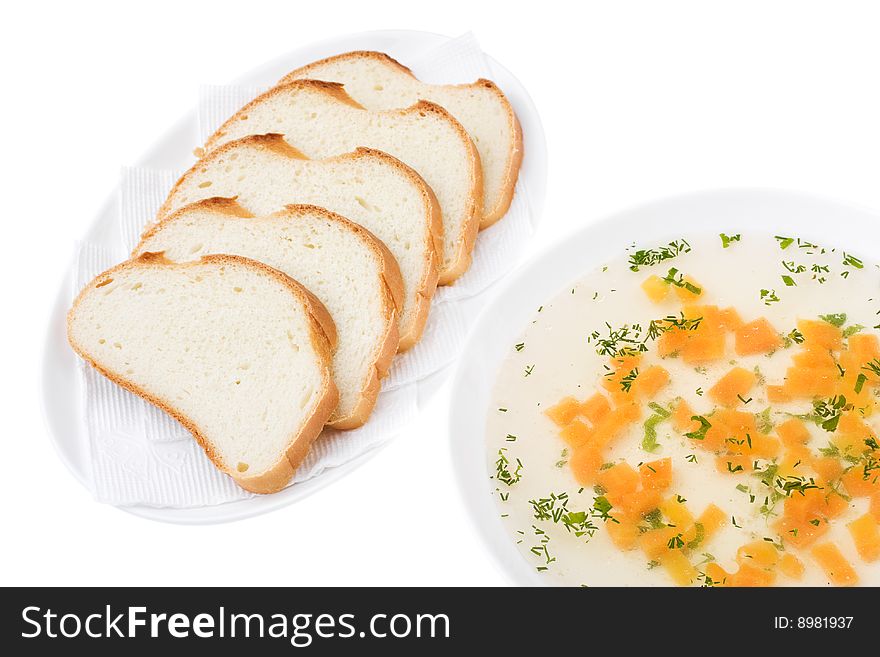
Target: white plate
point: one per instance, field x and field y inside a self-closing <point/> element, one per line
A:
<point x="851" y="228"/>
<point x="60" y="383"/>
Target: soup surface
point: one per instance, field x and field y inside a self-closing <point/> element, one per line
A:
<point x="699" y="412"/>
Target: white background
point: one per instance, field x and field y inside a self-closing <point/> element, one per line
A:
<point x="639" y="100"/>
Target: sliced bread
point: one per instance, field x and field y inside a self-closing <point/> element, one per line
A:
<point x="320" y="120"/>
<point x="348" y="269"/>
<point x="379" y="82"/>
<point x="236" y="351"/>
<point x="371" y="188"/>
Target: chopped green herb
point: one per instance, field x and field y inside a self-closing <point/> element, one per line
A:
<point x="835" y="319"/>
<point x="769" y="296"/>
<point x="726" y="240"/>
<point x="680" y="282"/>
<point x="529" y="369"/>
<point x="852" y="261"/>
<point x="788" y="280"/>
<point x="699" y="434"/>
<point x="502" y="469"/>
<point x="649" y="257"/>
<point x="784" y="242"/>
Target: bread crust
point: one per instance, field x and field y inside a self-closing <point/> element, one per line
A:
<point x="474" y="203"/>
<point x="515" y="150"/>
<point x="323" y="338"/>
<point x="392" y="292"/>
<point x="411" y="330"/>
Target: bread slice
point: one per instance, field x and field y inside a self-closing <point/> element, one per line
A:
<point x="379" y="82"/>
<point x="371" y="188"/>
<point x="234" y="350"/>
<point x="320" y="120"/>
<point x="342" y="264"/>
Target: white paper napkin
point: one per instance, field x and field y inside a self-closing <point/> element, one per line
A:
<point x="142" y="456"/>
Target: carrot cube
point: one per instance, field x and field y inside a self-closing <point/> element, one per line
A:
<point x="677" y="513"/>
<point x="595" y="408"/>
<point x="649" y="382"/>
<point x="681" y="418"/>
<point x="729" y="319"/>
<point x="791" y="566"/>
<point x="656" y="288"/>
<point x="656" y="474"/>
<point x="758" y="553"/>
<point x="757" y="337"/>
<point x="716" y="575"/>
<point x="859" y="483"/>
<point x="585" y="463"/>
<point x="821" y="334"/>
<point x="679" y="568"/>
<point x="685" y="293"/>
<point x="777" y="395"/>
<point x="712" y="518"/>
<point x="733" y="386"/>
<point x="749" y="575"/>
<point x="704" y="347"/>
<point x="576" y="433"/>
<point x="811" y="382"/>
<point x="619" y="479"/>
<point x="793" y="433"/>
<point x="865" y="531"/>
<point x="624" y="533"/>
<point x="564" y="412"/>
<point x="836" y="567"/>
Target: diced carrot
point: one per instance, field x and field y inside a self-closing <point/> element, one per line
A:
<point x="576" y="433"/>
<point x="677" y="513"/>
<point x="791" y="566"/>
<point x="681" y="418"/>
<point x="716" y="575"/>
<point x="564" y="412"/>
<point x="850" y="424"/>
<point x="865" y="345"/>
<point x="820" y="333"/>
<point x="797" y="462"/>
<point x="624" y="533"/>
<point x="685" y="293"/>
<point x="777" y="395"/>
<point x="595" y="408"/>
<point x="679" y="568"/>
<point x="810" y="382"/>
<point x="827" y="467"/>
<point x="729" y="319"/>
<point x="619" y="479"/>
<point x="638" y="503"/>
<point x="757" y="337"/>
<point x="671" y="342"/>
<point x="749" y="575"/>
<point x="585" y="463"/>
<point x="793" y="433"/>
<point x="656" y="474"/>
<point x="655" y="542"/>
<point x="733" y="387"/>
<point x="648" y="382"/>
<point x="656" y="288"/>
<point x="703" y="347"/>
<point x="836" y="567"/>
<point x="800" y="532"/>
<point x="814" y="503"/>
<point x="761" y="554"/>
<point x="859" y="483"/>
<point x="814" y="357"/>
<point x="614" y="424"/>
<point x="865" y="531"/>
<point x="712" y="518"/>
<point x="875" y="506"/>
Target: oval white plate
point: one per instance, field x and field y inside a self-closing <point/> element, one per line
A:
<point x="502" y="320"/>
<point x="62" y="406"/>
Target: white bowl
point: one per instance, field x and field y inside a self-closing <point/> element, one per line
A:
<point x="534" y="283"/>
